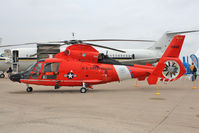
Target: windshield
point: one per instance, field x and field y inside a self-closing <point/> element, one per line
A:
<point x="31" y="67"/>
<point x="27" y="73"/>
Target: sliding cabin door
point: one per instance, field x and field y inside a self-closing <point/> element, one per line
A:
<point x="50" y="71"/>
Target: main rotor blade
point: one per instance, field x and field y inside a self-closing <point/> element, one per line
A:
<point x="123" y="40"/>
<point x="100" y="46"/>
<point x="65" y="42"/>
<point x="98" y="40"/>
<point x="15" y="45"/>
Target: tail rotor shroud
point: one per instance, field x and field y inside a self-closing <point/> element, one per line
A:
<point x="171" y="69"/>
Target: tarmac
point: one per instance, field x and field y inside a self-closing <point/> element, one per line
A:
<point x="109" y="108"/>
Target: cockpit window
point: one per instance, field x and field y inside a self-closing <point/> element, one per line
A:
<point x="36" y="73"/>
<point x="38" y="68"/>
<point x="31" y="67"/>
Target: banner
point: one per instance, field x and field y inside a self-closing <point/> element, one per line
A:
<point x="194" y="60"/>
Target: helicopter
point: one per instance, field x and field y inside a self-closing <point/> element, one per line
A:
<point x="82" y="65"/>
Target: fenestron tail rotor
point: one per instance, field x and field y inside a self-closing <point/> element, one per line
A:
<point x="171" y="70"/>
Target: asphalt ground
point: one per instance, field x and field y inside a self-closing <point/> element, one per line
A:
<point x="109" y="108"/>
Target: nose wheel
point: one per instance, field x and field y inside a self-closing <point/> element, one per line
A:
<point x="2" y="75"/>
<point x="29" y="89"/>
<point x="83" y="90"/>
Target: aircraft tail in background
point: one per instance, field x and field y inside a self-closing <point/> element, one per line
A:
<point x="197" y="53"/>
<point x="166" y="39"/>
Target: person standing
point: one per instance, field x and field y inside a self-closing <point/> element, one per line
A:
<point x="193" y="71"/>
<point x="9" y="71"/>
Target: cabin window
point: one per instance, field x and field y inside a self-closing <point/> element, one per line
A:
<point x="51" y="67"/>
<point x="50" y="70"/>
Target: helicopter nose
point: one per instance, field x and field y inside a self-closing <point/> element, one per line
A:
<point x="15" y="77"/>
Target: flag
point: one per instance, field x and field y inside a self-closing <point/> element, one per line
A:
<point x="194" y="60"/>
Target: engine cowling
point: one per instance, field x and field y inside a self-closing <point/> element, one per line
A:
<point x="80" y="52"/>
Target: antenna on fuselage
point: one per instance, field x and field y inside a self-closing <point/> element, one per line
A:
<point x="0" y="41"/>
<point x="107" y="52"/>
<point x="73" y="35"/>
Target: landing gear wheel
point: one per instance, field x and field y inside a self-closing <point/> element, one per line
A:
<point x="29" y="89"/>
<point x="2" y="75"/>
<point x="83" y="90"/>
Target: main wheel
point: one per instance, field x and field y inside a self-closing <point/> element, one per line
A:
<point x="83" y="90"/>
<point x="2" y="75"/>
<point x="29" y="89"/>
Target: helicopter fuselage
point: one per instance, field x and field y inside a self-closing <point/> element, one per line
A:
<point x="74" y="73"/>
<point x="82" y="65"/>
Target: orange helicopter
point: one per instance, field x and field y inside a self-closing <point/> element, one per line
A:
<point x="82" y="65"/>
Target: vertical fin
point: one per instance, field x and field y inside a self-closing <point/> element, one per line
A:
<point x="176" y="69"/>
<point x="166" y="39"/>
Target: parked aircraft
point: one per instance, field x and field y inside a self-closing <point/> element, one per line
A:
<point x="145" y="56"/>
<point x="16" y="56"/>
<point x="4" y="65"/>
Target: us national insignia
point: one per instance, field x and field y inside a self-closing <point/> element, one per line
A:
<point x="70" y="75"/>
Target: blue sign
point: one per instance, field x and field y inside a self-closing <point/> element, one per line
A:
<point x="194" y="60"/>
